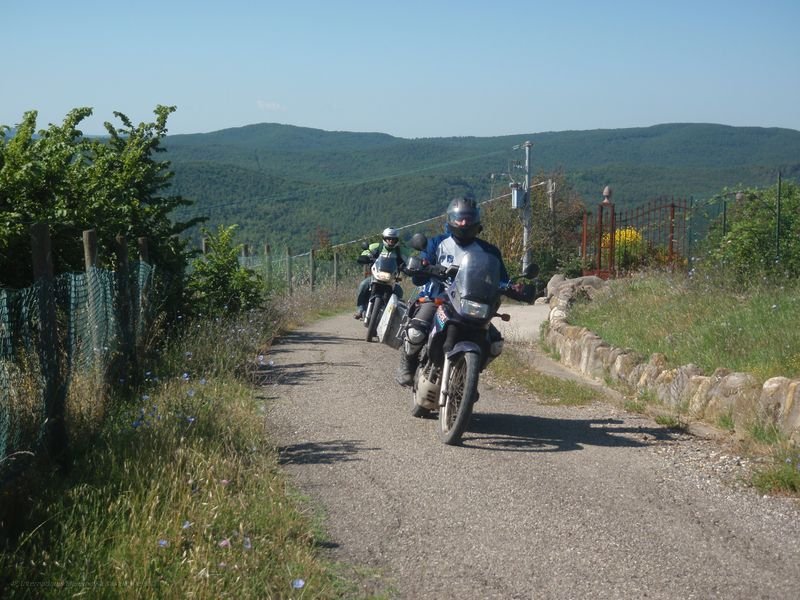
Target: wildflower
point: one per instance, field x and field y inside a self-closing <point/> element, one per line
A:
<point x="224" y="481"/>
<point x="190" y="393"/>
<point x="298" y="584"/>
<point x="185" y="377"/>
<point x="203" y="381"/>
<point x="163" y="544"/>
<point x="190" y="420"/>
<point x="247" y="543"/>
<point x="189" y="355"/>
<point x="145" y="397"/>
<point x="186" y="525"/>
<point x="226" y="543"/>
<point x="137" y="423"/>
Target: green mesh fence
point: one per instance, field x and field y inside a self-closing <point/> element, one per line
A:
<point x="95" y="320"/>
<point x="276" y="270"/>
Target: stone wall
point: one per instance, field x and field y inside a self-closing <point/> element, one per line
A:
<point x="723" y="394"/>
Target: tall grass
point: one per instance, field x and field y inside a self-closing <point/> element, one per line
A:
<point x="700" y="321"/>
<point x="177" y="493"/>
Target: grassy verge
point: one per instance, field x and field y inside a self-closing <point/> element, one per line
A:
<point x="175" y="493"/>
<point x="511" y="366"/>
<point x="704" y="322"/>
<point x="701" y="322"/>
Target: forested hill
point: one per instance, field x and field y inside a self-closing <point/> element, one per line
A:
<point x="284" y="184"/>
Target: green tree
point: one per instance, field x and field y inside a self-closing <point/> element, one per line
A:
<point x="555" y="237"/>
<point x="114" y="185"/>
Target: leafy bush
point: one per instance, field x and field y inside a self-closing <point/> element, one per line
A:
<point x="218" y="283"/>
<point x="759" y="241"/>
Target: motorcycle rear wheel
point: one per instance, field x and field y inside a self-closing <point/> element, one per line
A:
<point x="374" y="318"/>
<point x="462" y="391"/>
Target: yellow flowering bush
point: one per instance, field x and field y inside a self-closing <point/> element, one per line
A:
<point x="630" y="247"/>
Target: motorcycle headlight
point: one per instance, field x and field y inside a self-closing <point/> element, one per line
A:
<point x="476" y="310"/>
<point x="383" y="276"/>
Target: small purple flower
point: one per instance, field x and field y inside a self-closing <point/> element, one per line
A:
<point x="185" y="376"/>
<point x="163" y="544"/>
<point x="298" y="584"/>
<point x="190" y="420"/>
<point x="186" y="525"/>
<point x="226" y="543"/>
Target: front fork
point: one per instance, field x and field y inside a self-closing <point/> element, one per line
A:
<point x="443" y="392"/>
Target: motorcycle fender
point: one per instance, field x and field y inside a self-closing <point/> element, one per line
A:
<point x="463" y="348"/>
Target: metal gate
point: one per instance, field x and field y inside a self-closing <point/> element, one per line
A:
<point x="654" y="234"/>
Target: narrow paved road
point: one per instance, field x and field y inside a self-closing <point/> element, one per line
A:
<point x="540" y="501"/>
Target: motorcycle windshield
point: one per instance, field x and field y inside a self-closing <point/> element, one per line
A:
<point x="478" y="277"/>
<point x="386" y="264"/>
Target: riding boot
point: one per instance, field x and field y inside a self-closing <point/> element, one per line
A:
<point x="408" y="366"/>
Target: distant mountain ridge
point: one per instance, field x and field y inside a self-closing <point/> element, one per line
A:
<point x="283" y="182"/>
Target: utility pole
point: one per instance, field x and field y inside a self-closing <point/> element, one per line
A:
<point x="551" y="191"/>
<point x="524" y="204"/>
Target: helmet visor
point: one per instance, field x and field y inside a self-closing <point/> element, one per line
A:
<point x="463" y="218"/>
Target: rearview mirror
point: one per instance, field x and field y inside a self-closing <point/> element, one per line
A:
<point x="531" y="271"/>
<point x="418" y="241"/>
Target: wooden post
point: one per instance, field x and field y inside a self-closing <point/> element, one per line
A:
<point x="204" y="245"/>
<point x="336" y="270"/>
<point x="289" y="270"/>
<point x="89" y="248"/>
<point x="94" y="296"/>
<point x="144" y="251"/>
<point x="55" y="431"/>
<point x="311" y="269"/>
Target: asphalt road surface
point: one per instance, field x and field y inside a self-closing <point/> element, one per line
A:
<point x="540" y="501"/>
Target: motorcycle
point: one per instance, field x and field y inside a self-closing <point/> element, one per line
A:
<point x="461" y="342"/>
<point x="384" y="274"/>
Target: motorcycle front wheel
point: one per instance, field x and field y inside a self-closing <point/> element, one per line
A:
<point x="374" y="318"/>
<point x="462" y="391"/>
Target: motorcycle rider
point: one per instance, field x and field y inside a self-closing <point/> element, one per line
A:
<point x="461" y="230"/>
<point x="390" y="244"/>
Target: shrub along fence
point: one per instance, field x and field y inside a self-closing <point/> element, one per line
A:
<point x="91" y="323"/>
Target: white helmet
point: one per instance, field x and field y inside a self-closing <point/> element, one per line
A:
<point x="390" y="237"/>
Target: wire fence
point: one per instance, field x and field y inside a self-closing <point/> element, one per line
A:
<point x="58" y="330"/>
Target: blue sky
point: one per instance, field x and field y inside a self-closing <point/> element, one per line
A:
<point x="410" y="68"/>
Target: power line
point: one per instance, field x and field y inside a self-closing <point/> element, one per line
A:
<point x="361" y="239"/>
